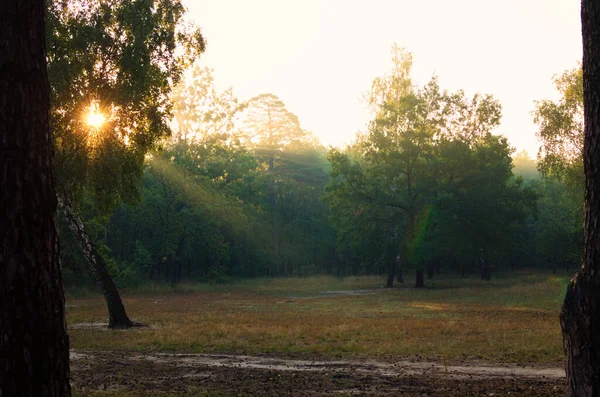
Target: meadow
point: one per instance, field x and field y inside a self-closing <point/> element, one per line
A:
<point x="511" y="319"/>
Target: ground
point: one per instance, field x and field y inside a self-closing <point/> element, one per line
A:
<point x="326" y="336"/>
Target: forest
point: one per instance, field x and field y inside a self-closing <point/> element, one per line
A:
<point x="239" y="189"/>
<point x="210" y="244"/>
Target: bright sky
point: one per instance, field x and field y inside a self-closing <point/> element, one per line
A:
<point x="319" y="56"/>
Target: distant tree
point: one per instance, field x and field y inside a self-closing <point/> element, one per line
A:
<point x="558" y="226"/>
<point x="525" y="166"/>
<point x="120" y="58"/>
<point x="199" y="109"/>
<point x="268" y="127"/>
<point x="425" y="150"/>
<point x="34" y="347"/>
<point x="580" y="322"/>
<point x="205" y="197"/>
<point x="480" y="204"/>
<point x="561" y="126"/>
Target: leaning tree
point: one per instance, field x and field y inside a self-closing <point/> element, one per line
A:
<point x="34" y="347"/>
<point x="580" y="321"/>
<point x="112" y="66"/>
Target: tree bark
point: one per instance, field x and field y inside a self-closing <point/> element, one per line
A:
<point x="34" y="346"/>
<point x="117" y="317"/>
<point x="580" y="319"/>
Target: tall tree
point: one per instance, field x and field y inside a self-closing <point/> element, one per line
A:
<point x="34" y="347"/>
<point x="114" y="62"/>
<point x="579" y="316"/>
<point x="268" y="127"/>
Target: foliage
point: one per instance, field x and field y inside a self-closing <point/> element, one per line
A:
<point x="122" y="59"/>
<point x="242" y="190"/>
<point x="428" y="180"/>
<point x="561" y="127"/>
<point x="560" y="161"/>
<point x="206" y="211"/>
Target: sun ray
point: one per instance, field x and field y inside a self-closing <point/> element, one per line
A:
<point x="94" y="117"/>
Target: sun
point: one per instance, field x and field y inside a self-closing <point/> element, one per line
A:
<point x="94" y="117"/>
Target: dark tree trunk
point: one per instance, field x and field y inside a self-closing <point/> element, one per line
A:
<point x="430" y="271"/>
<point x="420" y="281"/>
<point x="399" y="277"/>
<point x="580" y="319"/>
<point x="391" y="273"/>
<point x="117" y="318"/>
<point x="34" y="347"/>
<point x="484" y="268"/>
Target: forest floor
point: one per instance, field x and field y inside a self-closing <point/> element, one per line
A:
<point x="325" y="336"/>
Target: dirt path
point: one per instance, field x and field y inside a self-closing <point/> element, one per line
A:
<point x="257" y="376"/>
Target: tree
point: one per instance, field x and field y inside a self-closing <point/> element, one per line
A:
<point x="119" y="59"/>
<point x="268" y="128"/>
<point x="389" y="184"/>
<point x="425" y="148"/>
<point x="34" y="347"/>
<point x="205" y="198"/>
<point x="199" y="109"/>
<point x="558" y="227"/>
<point x="561" y="128"/>
<point x="525" y="166"/>
<point x="480" y="203"/>
<point x="579" y="318"/>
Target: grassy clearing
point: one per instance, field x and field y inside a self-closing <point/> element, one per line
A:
<point x="510" y="319"/>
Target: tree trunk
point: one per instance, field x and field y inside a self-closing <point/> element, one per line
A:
<point x="484" y="268"/>
<point x="117" y="318"/>
<point x="34" y="347"/>
<point x="420" y="281"/>
<point x="579" y="317"/>
<point x="430" y="271"/>
<point x="399" y="277"/>
<point x="391" y="273"/>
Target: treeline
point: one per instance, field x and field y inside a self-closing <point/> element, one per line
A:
<point x="240" y="189"/>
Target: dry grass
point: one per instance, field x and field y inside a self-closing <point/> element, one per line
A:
<point x="506" y="320"/>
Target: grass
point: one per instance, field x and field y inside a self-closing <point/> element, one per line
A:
<point x="510" y="319"/>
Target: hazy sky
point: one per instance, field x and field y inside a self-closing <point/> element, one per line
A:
<point x="319" y="56"/>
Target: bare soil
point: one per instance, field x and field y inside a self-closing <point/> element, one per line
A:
<point x="229" y="375"/>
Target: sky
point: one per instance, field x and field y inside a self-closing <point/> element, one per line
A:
<point x="320" y="56"/>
